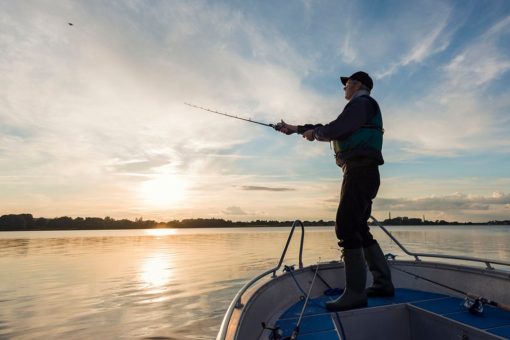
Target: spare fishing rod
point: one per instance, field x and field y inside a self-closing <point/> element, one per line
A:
<point x="295" y="331"/>
<point x="473" y="303"/>
<point x="276" y="126"/>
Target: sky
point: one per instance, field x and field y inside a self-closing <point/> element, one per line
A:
<point x="93" y="121"/>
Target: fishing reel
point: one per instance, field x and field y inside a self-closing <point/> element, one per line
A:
<point x="474" y="305"/>
<point x="277" y="126"/>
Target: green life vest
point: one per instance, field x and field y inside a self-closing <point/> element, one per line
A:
<point x="367" y="137"/>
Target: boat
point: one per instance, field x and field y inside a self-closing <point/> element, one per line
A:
<point x="436" y="297"/>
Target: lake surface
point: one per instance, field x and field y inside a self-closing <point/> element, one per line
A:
<point x="170" y="283"/>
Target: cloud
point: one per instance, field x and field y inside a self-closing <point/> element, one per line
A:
<point x="261" y="188"/>
<point x="92" y="112"/>
<point x="483" y="60"/>
<point x="454" y="202"/>
<point x="348" y="49"/>
<point x="396" y="35"/>
<point x="104" y="98"/>
<point x="447" y="119"/>
<point x="233" y="210"/>
<point x="429" y="38"/>
<point x="440" y="124"/>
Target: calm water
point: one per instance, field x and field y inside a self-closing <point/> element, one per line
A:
<point x="169" y="283"/>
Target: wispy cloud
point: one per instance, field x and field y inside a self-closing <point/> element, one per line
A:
<point x="456" y="114"/>
<point x="387" y="38"/>
<point x="261" y="188"/>
<point x="483" y="60"/>
<point x="430" y="38"/>
<point x="348" y="50"/>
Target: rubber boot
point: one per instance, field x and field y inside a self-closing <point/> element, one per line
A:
<point x="378" y="266"/>
<point x="354" y="295"/>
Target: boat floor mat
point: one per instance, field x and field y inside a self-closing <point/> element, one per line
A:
<point x="317" y="322"/>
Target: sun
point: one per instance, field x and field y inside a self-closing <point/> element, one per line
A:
<point x="164" y="190"/>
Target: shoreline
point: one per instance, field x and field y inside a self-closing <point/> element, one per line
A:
<point x="254" y="226"/>
<point x="27" y="222"/>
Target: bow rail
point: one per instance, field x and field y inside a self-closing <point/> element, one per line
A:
<point x="236" y="303"/>
<point x="417" y="256"/>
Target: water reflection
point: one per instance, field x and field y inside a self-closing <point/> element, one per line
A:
<point x="167" y="282"/>
<point x="160" y="232"/>
<point x="156" y="270"/>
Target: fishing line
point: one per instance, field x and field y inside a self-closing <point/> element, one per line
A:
<point x="431" y="281"/>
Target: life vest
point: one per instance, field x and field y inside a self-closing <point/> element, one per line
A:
<point x="367" y="139"/>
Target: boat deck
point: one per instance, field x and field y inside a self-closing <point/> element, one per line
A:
<point x="318" y="323"/>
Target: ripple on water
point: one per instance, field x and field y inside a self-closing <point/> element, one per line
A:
<point x="166" y="287"/>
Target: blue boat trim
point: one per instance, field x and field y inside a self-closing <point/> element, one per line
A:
<point x="310" y="324"/>
<point x="501" y="331"/>
<point x="317" y="322"/>
<point x="328" y="335"/>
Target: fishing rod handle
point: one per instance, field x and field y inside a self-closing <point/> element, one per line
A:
<point x="500" y="305"/>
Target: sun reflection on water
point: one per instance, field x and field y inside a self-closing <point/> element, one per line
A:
<point x="160" y="232"/>
<point x="156" y="271"/>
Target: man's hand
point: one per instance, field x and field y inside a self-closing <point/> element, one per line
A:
<point x="309" y="135"/>
<point x="287" y="128"/>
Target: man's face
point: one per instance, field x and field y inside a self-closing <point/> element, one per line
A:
<point x="351" y="87"/>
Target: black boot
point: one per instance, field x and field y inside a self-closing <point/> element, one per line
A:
<point x="354" y="295"/>
<point x="378" y="266"/>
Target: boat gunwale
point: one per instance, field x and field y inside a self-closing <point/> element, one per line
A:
<point x="335" y="265"/>
<point x="236" y="302"/>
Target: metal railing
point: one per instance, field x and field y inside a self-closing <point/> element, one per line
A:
<point x="236" y="302"/>
<point x="450" y="257"/>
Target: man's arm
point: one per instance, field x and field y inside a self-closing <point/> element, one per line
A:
<point x="355" y="114"/>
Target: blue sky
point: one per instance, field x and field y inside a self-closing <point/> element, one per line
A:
<point x="93" y="121"/>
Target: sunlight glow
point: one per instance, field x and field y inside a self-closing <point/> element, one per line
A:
<point x="160" y="232"/>
<point x="156" y="271"/>
<point x="164" y="190"/>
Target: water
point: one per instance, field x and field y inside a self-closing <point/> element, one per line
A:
<point x="169" y="283"/>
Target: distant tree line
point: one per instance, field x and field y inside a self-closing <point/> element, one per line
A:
<point x="418" y="221"/>
<point x="28" y="222"/>
<point x="221" y="223"/>
<point x="20" y="222"/>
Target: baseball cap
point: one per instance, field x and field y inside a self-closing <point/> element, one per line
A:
<point x="360" y="76"/>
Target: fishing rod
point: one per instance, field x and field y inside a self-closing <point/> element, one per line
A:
<point x="276" y="126"/>
<point x="295" y="332"/>
<point x="277" y="332"/>
<point x="472" y="302"/>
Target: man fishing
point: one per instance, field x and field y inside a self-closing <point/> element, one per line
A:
<point x="357" y="136"/>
